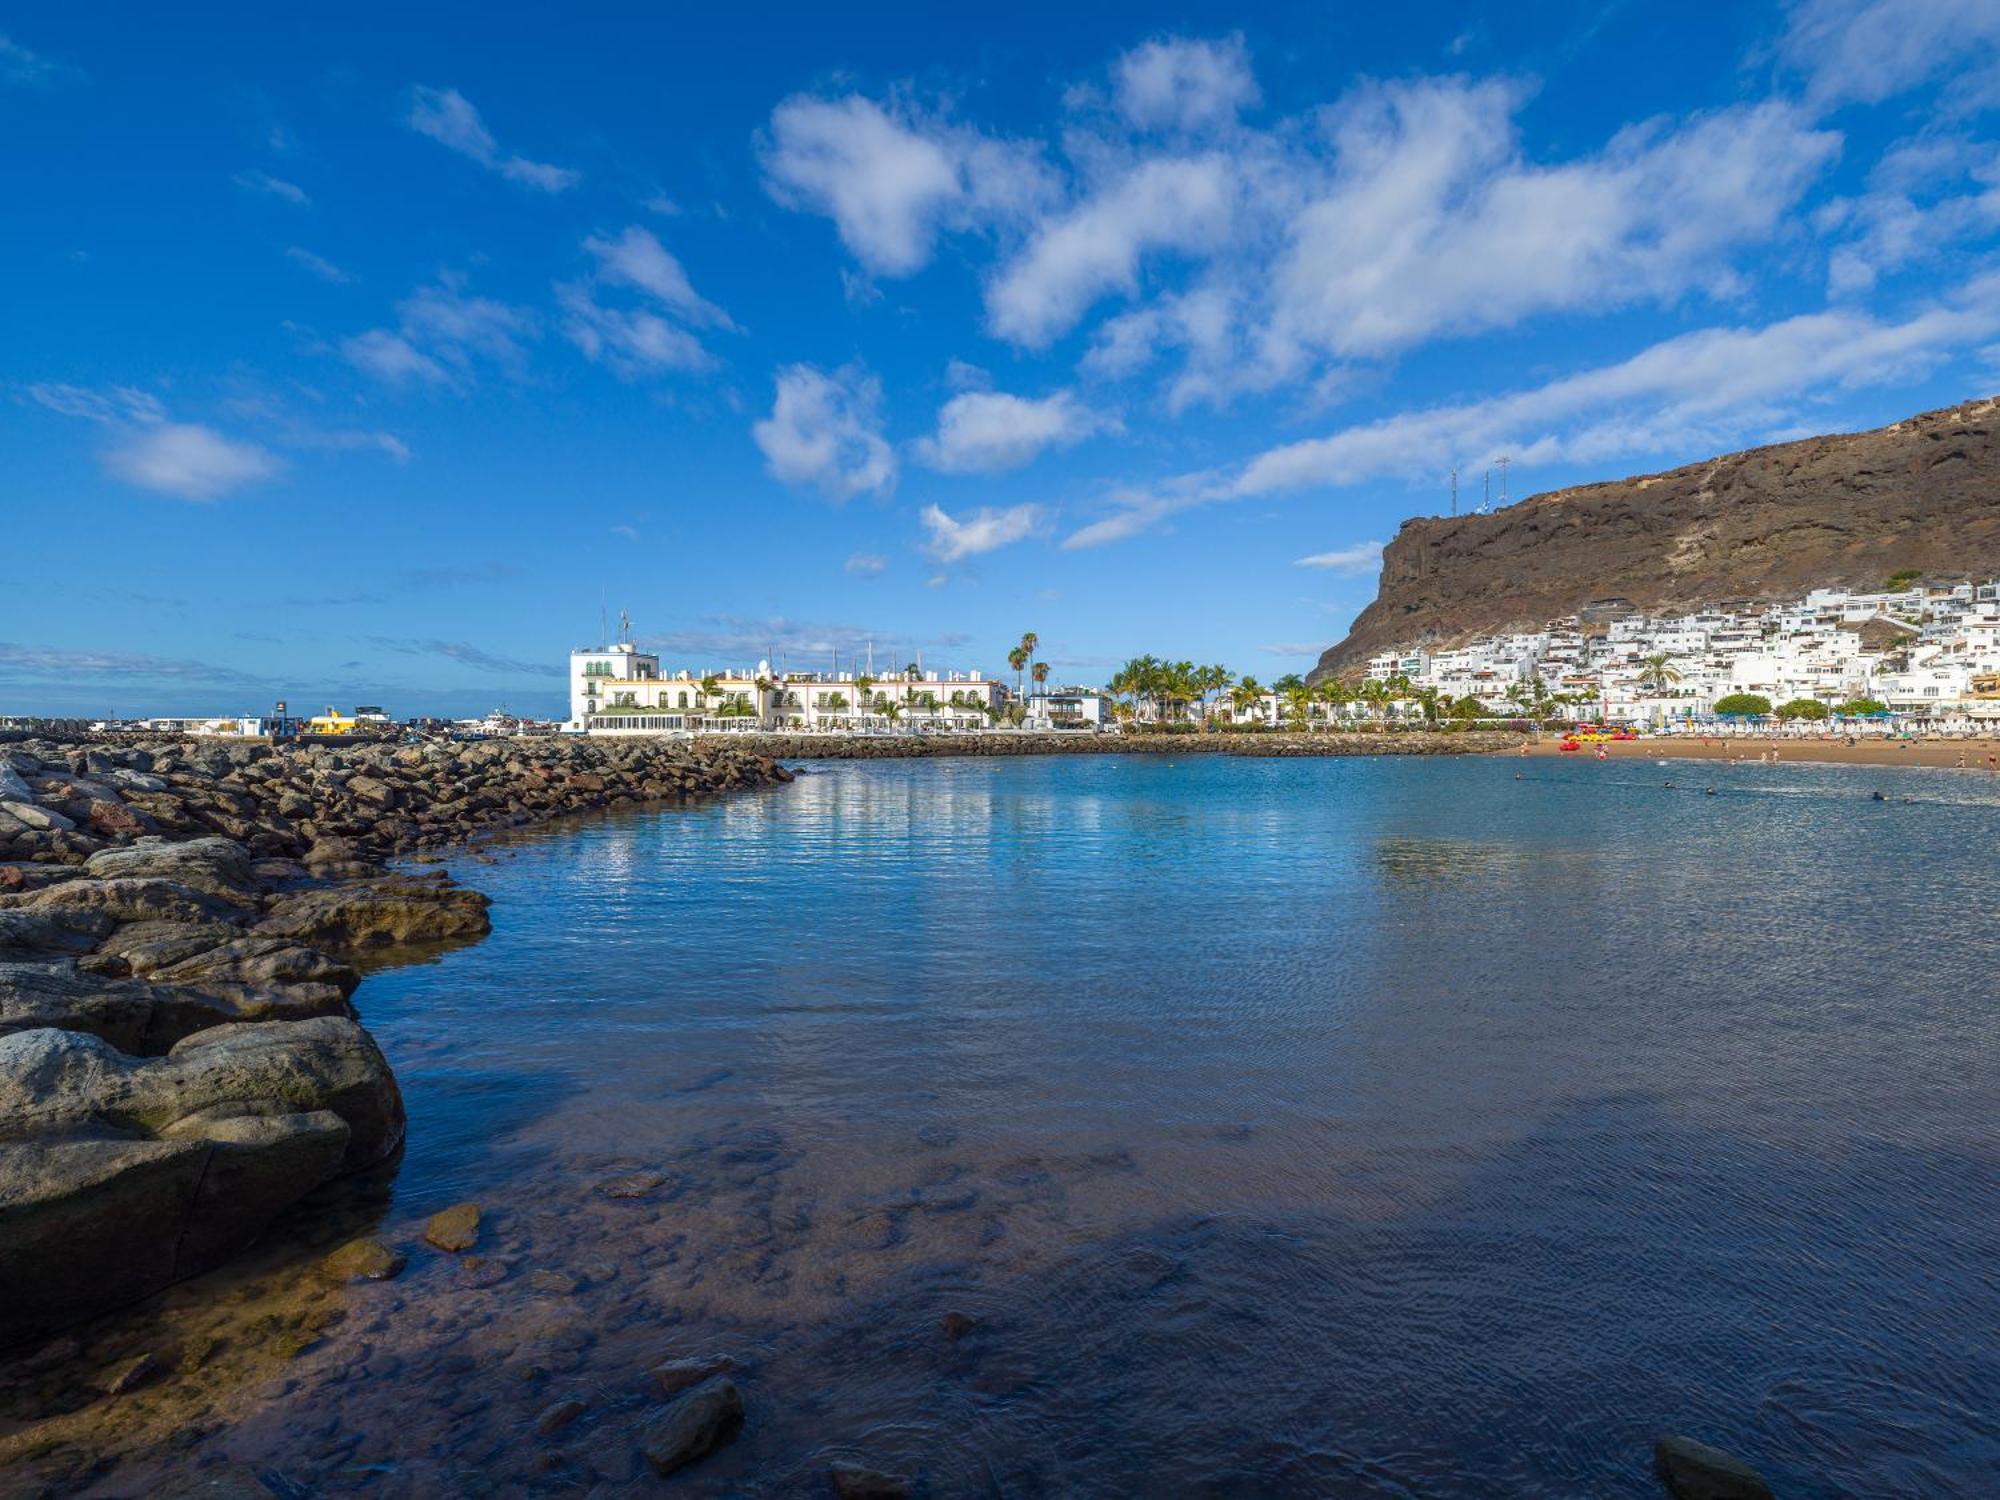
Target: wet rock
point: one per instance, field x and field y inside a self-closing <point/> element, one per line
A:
<point x="705" y="1419"/>
<point x="854" y="1482"/>
<point x="956" y="1325"/>
<point x="558" y="1415"/>
<point x="481" y="1271"/>
<point x="363" y="1260"/>
<point x="394" y="911"/>
<point x="130" y="1375"/>
<point x="216" y="866"/>
<point x="635" y="1185"/>
<point x="553" y="1283"/>
<point x="672" y="1376"/>
<point x="455" y="1228"/>
<point x="1695" y="1471"/>
<point x="121" y="1175"/>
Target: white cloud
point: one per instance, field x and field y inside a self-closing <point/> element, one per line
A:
<point x="121" y="403"/>
<point x="1362" y="557"/>
<point x="443" y="333"/>
<point x="319" y="265"/>
<point x="826" y="431"/>
<point x="866" y="565"/>
<point x="25" y="69"/>
<point x="1866" y="51"/>
<point x="637" y="259"/>
<point x="1172" y="203"/>
<point x="189" y="460"/>
<point x="630" y="533"/>
<point x="1433" y="223"/>
<point x="985" y="432"/>
<point x="447" y="117"/>
<point x="1924" y="196"/>
<point x="637" y="341"/>
<point x="1178" y="84"/>
<point x="632" y="341"/>
<point x="392" y="359"/>
<point x="890" y="179"/>
<point x="1397" y="214"/>
<point x="276" y="187"/>
<point x="1695" y="393"/>
<point x="986" y="529"/>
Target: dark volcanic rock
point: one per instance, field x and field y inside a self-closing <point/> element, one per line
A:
<point x="706" y="1418"/>
<point x="1695" y="1471"/>
<point x="1766" y="524"/>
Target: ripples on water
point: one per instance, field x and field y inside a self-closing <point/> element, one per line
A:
<point x="1284" y="1128"/>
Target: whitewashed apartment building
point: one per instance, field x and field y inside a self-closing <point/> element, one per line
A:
<point x="621" y="690"/>
<point x="1929" y="652"/>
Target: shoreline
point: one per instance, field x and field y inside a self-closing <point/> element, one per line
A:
<point x="1267" y="744"/>
<point x="183" y="924"/>
<point x="1981" y="756"/>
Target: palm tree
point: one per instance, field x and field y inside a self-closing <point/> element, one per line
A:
<point x="1029" y="641"/>
<point x="1655" y="672"/>
<point x="1018" y="660"/>
<point x="861" y="686"/>
<point x="711" y="685"/>
<point x="1298" y="704"/>
<point x="1245" y="695"/>
<point x="1334" y="694"/>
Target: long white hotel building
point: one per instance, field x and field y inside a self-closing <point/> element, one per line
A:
<point x="620" y="689"/>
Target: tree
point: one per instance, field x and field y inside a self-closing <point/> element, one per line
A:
<point x="1746" y="705"/>
<point x="1298" y="702"/>
<point x="1040" y="673"/>
<point x="711" y="686"/>
<point x="1802" y="708"/>
<point x="1655" y="673"/>
<point x="1334" y="694"/>
<point x="1245" y="695"/>
<point x="1855" y="708"/>
<point x="1018" y="660"/>
<point x="1901" y="580"/>
<point x="861" y="686"/>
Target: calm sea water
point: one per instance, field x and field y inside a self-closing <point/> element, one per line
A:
<point x="1289" y="1127"/>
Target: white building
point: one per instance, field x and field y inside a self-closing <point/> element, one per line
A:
<point x="1922" y="651"/>
<point x="622" y="690"/>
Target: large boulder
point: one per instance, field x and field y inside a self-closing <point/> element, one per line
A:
<point x="393" y="912"/>
<point x="216" y="866"/>
<point x="119" y="1176"/>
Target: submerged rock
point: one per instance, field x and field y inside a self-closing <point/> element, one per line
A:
<point x="853" y="1482"/>
<point x="705" y="1419"/>
<point x="670" y="1377"/>
<point x="455" y="1228"/>
<point x="1695" y="1471"/>
<point x="363" y="1260"/>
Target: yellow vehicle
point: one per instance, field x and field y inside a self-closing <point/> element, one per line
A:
<point x="333" y="721"/>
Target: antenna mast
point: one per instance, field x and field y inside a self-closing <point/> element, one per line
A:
<point x="1503" y="460"/>
<point x="1454" y="489"/>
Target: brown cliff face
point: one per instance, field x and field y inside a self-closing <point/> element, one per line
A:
<point x="1766" y="524"/>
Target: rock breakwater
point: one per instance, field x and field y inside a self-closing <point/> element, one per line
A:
<point x="180" y="925"/>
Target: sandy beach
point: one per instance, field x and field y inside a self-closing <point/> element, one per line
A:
<point x="1980" y="754"/>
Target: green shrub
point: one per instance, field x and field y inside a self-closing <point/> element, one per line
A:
<point x="1749" y="705"/>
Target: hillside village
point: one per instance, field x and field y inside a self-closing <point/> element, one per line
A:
<point x="1927" y="652"/>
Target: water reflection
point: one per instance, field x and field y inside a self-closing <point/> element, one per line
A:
<point x="1244" y="1166"/>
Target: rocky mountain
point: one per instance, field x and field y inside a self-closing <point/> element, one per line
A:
<point x="1770" y="523"/>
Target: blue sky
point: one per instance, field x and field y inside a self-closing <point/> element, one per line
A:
<point x="374" y="361"/>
